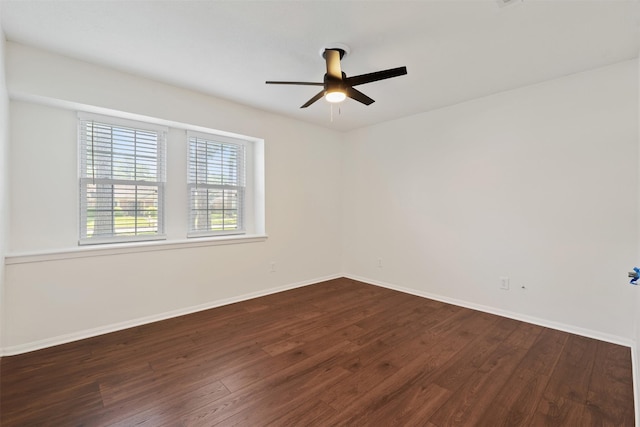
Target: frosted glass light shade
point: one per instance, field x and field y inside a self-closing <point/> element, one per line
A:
<point x="336" y="96"/>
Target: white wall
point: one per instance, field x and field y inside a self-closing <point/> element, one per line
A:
<point x="4" y="177"/>
<point x="56" y="300"/>
<point x="538" y="184"/>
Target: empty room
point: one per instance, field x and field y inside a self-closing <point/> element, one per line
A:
<point x="318" y="213"/>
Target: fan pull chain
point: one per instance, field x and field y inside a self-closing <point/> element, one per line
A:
<point x="331" y="109"/>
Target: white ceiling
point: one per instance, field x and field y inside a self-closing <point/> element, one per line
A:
<point x="454" y="50"/>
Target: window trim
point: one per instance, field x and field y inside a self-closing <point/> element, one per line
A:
<point x="114" y="249"/>
<point x="160" y="183"/>
<point x="245" y="189"/>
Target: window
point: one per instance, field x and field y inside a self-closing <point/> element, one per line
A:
<point x="122" y="179"/>
<point x="216" y="184"/>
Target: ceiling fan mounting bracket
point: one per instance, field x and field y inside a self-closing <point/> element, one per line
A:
<point x="340" y="47"/>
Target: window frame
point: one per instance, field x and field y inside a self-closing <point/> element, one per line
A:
<point x="243" y="176"/>
<point x="84" y="180"/>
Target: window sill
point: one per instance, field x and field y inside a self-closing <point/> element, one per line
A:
<point x="127" y="248"/>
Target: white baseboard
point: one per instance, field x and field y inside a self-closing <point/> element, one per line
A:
<point x="504" y="313"/>
<point x="89" y="333"/>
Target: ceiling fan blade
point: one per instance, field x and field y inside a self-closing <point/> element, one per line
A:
<point x="294" y="83"/>
<point x="332" y="57"/>
<point x="359" y="96"/>
<point x="375" y="76"/>
<point x="314" y="99"/>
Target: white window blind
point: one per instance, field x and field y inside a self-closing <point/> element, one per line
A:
<point x="122" y="180"/>
<point x="216" y="183"/>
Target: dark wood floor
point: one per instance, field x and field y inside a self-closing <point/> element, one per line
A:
<point x="335" y="353"/>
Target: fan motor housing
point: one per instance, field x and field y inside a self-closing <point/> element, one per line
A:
<point x="331" y="83"/>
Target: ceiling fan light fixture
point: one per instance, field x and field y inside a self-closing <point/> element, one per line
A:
<point x="335" y="96"/>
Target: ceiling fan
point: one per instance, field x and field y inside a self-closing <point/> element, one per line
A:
<point x="337" y="86"/>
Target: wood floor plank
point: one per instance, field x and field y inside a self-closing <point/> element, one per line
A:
<point x="515" y="403"/>
<point x="565" y="396"/>
<point x="340" y="353"/>
<point x="558" y="411"/>
<point x="573" y="369"/>
<point x="471" y="400"/>
<point x="543" y="355"/>
<point x="312" y="412"/>
<point x="290" y="398"/>
<point x="610" y="386"/>
<point x="280" y="385"/>
<point x="432" y="351"/>
<point x="471" y="358"/>
<point x="416" y="404"/>
<point x="165" y="407"/>
<point x="62" y="408"/>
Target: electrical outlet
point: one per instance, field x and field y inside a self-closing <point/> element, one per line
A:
<point x="504" y="283"/>
<point x="273" y="266"/>
<point x="379" y="262"/>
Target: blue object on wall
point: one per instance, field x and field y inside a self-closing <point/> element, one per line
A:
<point x="634" y="276"/>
